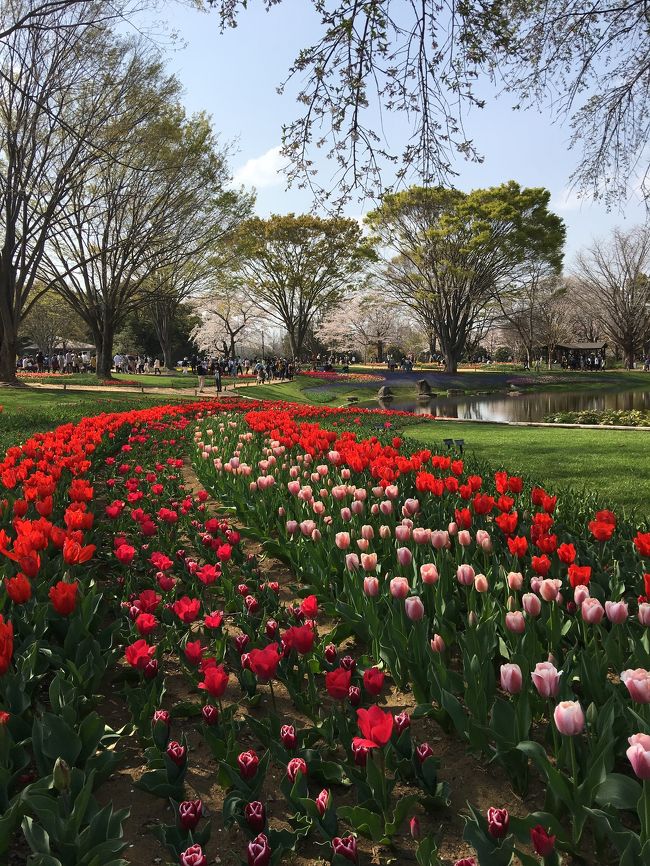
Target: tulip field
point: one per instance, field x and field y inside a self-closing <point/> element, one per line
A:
<point x="240" y="632"/>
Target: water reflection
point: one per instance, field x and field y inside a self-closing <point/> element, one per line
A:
<point x="522" y="407"/>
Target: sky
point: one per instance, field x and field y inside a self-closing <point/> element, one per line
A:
<point x="234" y="77"/>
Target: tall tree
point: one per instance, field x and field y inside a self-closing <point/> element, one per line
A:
<point x="613" y="278"/>
<point x="229" y="315"/>
<point x="367" y="319"/>
<point x="446" y="253"/>
<point x="51" y="323"/>
<point x="299" y="266"/>
<point x="131" y="217"/>
<point x="59" y="87"/>
<point x="589" y="60"/>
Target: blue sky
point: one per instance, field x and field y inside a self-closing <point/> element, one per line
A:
<point x="234" y="76"/>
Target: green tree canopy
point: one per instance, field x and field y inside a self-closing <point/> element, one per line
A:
<point x="447" y="253"/>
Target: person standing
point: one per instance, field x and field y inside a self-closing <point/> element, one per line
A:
<point x="201" y="372"/>
<point x="217" y="376"/>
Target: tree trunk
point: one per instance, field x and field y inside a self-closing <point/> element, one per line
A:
<point x="451" y="362"/>
<point x="105" y="352"/>
<point x="8" y="347"/>
<point x="380" y="351"/>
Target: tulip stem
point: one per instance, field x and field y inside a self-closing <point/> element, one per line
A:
<point x="574" y="763"/>
<point x="275" y="709"/>
<point x="645" y="823"/>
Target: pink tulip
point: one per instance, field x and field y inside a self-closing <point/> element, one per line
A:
<point x="334" y="457"/>
<point x="580" y="593"/>
<point x="452" y="529"/>
<point x="316" y="535"/>
<point x="515" y="580"/>
<point x="592" y="611"/>
<point x="410" y="507"/>
<point x="252" y="486"/>
<point x="339" y="493"/>
<point x="404" y="556"/>
<point x="639" y="755"/>
<point x="293" y="472"/>
<point x="369" y="561"/>
<point x="399" y="587"/>
<point x="414" y="608"/>
<point x="318" y="508"/>
<point x="535" y="583"/>
<point x="644" y="614"/>
<point x="406" y="521"/>
<point x="483" y="540"/>
<point x="293" y="487"/>
<point x="351" y="561"/>
<point x="360" y="494"/>
<point x="511" y="678"/>
<point x="345" y="473"/>
<point x="377" y="492"/>
<point x="515" y="622"/>
<point x="386" y="507"/>
<point x="569" y="718"/>
<point x="371" y="586"/>
<point x="531" y="604"/>
<point x="481" y="583"/>
<point x="322" y="470"/>
<point x="429" y="573"/>
<point x="357" y="507"/>
<point x="464" y="538"/>
<point x="346" y="515"/>
<point x="439" y="539"/>
<point x="392" y="491"/>
<point x="546" y="679"/>
<point x="403" y="533"/>
<point x="549" y="589"/>
<point x="637" y="682"/>
<point x="307" y="527"/>
<point x="437" y="644"/>
<point x="367" y="532"/>
<point x="616" y="612"/>
<point x="374" y="509"/>
<point x="465" y="574"/>
<point x="363" y="545"/>
<point x="291" y="526"/>
<point x="342" y="540"/>
<point x="384" y="532"/>
<point x="421" y="535"/>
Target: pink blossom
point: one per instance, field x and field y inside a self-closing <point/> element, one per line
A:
<point x="437" y="644"/>
<point x="414" y="608"/>
<point x="481" y="583"/>
<point x="569" y="718"/>
<point x="511" y="678"/>
<point x="616" y="612"/>
<point x="342" y="540"/>
<point x="546" y="679"/>
<point x="429" y="573"/>
<point x="637" y="682"/>
<point x="515" y="622"/>
<point x="369" y="561"/>
<point x="639" y="755"/>
<point x="371" y="586"/>
<point x="515" y="580"/>
<point x="399" y="587"/>
<point x="404" y="556"/>
<point x="439" y="539"/>
<point x="351" y="561"/>
<point x="465" y="574"/>
<point x="531" y="604"/>
<point x="592" y="611"/>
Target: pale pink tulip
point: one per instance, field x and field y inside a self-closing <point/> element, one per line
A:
<point x="429" y="573"/>
<point x="515" y="580"/>
<point x="531" y="604"/>
<point x="483" y="540"/>
<point x="439" y="539"/>
<point x="402" y="533"/>
<point x="392" y="491"/>
<point x="291" y="526"/>
<point x="363" y="545"/>
<point x="437" y="644"/>
<point x="307" y="527"/>
<point x="404" y="556"/>
<point x="643" y="614"/>
<point x="293" y="487"/>
<point x="511" y="678"/>
<point x="351" y="561"/>
<point x="369" y="561"/>
<point x="318" y="508"/>
<point x="548" y="589"/>
<point x="481" y="583"/>
<point x="345" y="473"/>
<point x="399" y="587"/>
<point x="367" y="532"/>
<point x="515" y="622"/>
<point x="452" y="529"/>
<point x="386" y="507"/>
<point x="346" y="515"/>
<point x="580" y="593"/>
<point x="637" y="682"/>
<point x="377" y="492"/>
<point x="592" y="611"/>
<point x="546" y="679"/>
<point x="639" y="755"/>
<point x="357" y="507"/>
<point x="342" y="540"/>
<point x="465" y="574"/>
<point x="616" y="612"/>
<point x="334" y="457"/>
<point x="316" y="535"/>
<point x="421" y="535"/>
<point x="360" y="494"/>
<point x="414" y="608"/>
<point x="374" y="509"/>
<point x="410" y="507"/>
<point x="339" y="493"/>
<point x="464" y="538"/>
<point x="384" y="532"/>
<point x="371" y="586"/>
<point x="569" y="718"/>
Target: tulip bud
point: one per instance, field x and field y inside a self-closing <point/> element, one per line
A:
<point x="61" y="775"/>
<point x="354" y="695"/>
<point x="423" y="751"/>
<point x="255" y="815"/>
<point x="481" y="583"/>
<point x="414" y="825"/>
<point x="259" y="851"/>
<point x="345" y="847"/>
<point x="190" y="813"/>
<point x="210" y="714"/>
<point x="515" y="622"/>
<point x="322" y="801"/>
<point x="498" y="822"/>
<point x="402" y="722"/>
<point x="414" y="608"/>
<point x="288" y="737"/>
<point x="437" y="644"/>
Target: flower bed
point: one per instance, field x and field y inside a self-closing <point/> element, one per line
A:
<point x="487" y="606"/>
<point x="342" y="377"/>
<point x="608" y="417"/>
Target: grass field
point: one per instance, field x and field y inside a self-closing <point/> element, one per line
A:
<point x="613" y="463"/>
<point x="25" y="412"/>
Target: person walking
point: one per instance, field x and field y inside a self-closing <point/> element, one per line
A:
<point x="217" y="376"/>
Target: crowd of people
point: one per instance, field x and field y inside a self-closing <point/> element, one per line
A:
<point x="61" y="362"/>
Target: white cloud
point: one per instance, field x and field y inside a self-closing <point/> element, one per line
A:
<point x="262" y="171"/>
<point x="568" y="199"/>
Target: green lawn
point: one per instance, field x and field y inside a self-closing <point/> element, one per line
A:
<point x="613" y="463"/>
<point x="27" y="411"/>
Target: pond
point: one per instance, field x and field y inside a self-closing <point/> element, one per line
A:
<point x="522" y="407"/>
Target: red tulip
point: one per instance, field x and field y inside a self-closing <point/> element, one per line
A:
<point x="346" y="847"/>
<point x="64" y="597"/>
<point x="255" y="815"/>
<point x="337" y="683"/>
<point x="373" y="681"/>
<point x="543" y="842"/>
<point x="248" y="763"/>
<point x="375" y="725"/>
<point x="259" y="851"/>
<point x="498" y="821"/>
